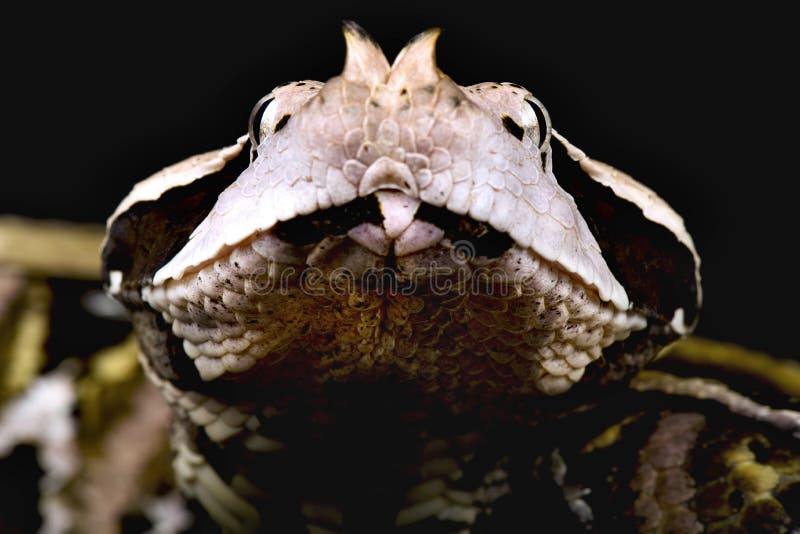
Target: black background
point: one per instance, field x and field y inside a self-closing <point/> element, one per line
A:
<point x="699" y="105"/>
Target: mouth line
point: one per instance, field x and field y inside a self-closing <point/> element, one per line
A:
<point x="363" y="215"/>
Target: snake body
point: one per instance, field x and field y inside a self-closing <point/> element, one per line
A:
<point x="383" y="310"/>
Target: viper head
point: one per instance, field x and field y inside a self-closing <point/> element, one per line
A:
<point x="393" y="165"/>
<point x="409" y="135"/>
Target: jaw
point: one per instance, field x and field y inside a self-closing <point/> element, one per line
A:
<point x="412" y="292"/>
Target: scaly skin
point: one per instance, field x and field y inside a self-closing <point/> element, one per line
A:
<point x="683" y="444"/>
<point x="395" y="316"/>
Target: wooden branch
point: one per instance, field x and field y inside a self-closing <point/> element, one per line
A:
<point x="51" y="248"/>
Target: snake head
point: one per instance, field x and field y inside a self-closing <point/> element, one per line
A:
<point x="396" y="167"/>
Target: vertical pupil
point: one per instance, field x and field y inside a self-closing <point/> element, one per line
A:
<point x="541" y="120"/>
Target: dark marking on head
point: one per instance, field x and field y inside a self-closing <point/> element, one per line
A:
<point x="656" y="270"/>
<point x="338" y="220"/>
<point x="374" y="103"/>
<point x="403" y="91"/>
<point x="149" y="233"/>
<point x="281" y="123"/>
<point x="512" y="127"/>
<point x="300" y="84"/>
<point x="456" y="101"/>
<point x="428" y="88"/>
<point x="486" y="240"/>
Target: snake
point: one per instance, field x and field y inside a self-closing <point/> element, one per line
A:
<point x="402" y="304"/>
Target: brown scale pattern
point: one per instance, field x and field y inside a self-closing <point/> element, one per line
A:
<point x="662" y="481"/>
<point x="524" y="327"/>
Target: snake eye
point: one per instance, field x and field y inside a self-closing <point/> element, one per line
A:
<point x="542" y="118"/>
<point x="254" y="124"/>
